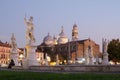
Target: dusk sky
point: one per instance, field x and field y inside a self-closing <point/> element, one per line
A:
<point x="96" y="19"/>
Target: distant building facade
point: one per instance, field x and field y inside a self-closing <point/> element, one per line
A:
<point x="76" y="50"/>
<point x="4" y="52"/>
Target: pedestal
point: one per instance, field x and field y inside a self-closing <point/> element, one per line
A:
<point x="31" y="59"/>
<point x="25" y="64"/>
<point x="86" y="61"/>
<point x="105" y="59"/>
<point x="14" y="56"/>
<point x="91" y="61"/>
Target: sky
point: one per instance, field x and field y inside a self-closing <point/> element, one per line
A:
<point x="96" y="19"/>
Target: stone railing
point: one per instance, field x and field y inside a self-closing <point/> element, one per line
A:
<point x="78" y="68"/>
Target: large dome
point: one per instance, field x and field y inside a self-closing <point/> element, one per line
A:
<point x="48" y="40"/>
<point x="62" y="37"/>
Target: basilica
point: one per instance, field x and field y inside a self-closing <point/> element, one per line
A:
<point x="69" y="51"/>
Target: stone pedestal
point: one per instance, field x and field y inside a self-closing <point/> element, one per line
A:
<point x="31" y="59"/>
<point x="105" y="59"/>
<point x="25" y="64"/>
<point x="14" y="56"/>
<point x="91" y="61"/>
<point x="97" y="60"/>
<point x="86" y="61"/>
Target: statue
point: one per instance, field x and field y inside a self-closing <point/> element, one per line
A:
<point x="104" y="45"/>
<point x="14" y="51"/>
<point x="13" y="43"/>
<point x="30" y="29"/>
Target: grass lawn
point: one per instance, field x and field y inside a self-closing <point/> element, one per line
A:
<point x="19" y="75"/>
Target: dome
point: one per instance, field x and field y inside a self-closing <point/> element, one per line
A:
<point x="62" y="37"/>
<point x="74" y="25"/>
<point x="48" y="40"/>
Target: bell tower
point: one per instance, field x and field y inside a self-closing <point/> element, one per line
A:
<point x="75" y="33"/>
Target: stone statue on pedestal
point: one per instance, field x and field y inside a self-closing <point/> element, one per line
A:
<point x="90" y="54"/>
<point x="104" y="51"/>
<point x="14" y="50"/>
<point x="30" y="48"/>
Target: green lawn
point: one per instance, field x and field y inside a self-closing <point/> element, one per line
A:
<point x="19" y="75"/>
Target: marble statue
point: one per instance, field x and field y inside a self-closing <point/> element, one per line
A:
<point x="13" y="43"/>
<point x="30" y="28"/>
<point x="104" y="45"/>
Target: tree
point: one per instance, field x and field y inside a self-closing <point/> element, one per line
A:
<point x="49" y="50"/>
<point x="114" y="50"/>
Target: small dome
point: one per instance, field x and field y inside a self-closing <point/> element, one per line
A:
<point x="62" y="34"/>
<point x="75" y="26"/>
<point x="62" y="37"/>
<point x="48" y="40"/>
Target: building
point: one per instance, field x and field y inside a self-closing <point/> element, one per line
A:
<point x="74" y="50"/>
<point x="4" y="52"/>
